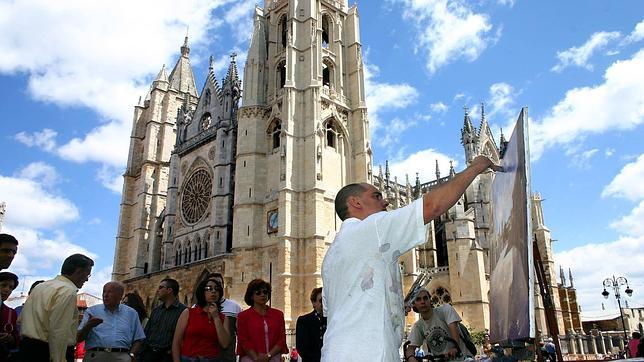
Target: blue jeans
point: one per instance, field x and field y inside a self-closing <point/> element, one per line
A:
<point x="199" y="359"/>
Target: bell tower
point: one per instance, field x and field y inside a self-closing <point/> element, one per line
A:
<point x="303" y="133"/>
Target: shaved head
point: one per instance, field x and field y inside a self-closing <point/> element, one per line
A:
<point x="341" y="206"/>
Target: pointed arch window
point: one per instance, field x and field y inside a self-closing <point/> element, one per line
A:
<point x="328" y="74"/>
<point x="187" y="257"/>
<point x="206" y="99"/>
<point x="326" y="31"/>
<point x="331" y="134"/>
<point x="205" y="249"/>
<point x="275" y="132"/>
<point x="281" y="74"/>
<point x="283" y="31"/>
<point x="194" y="252"/>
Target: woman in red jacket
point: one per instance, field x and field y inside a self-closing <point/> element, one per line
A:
<point x="202" y="331"/>
<point x="261" y="332"/>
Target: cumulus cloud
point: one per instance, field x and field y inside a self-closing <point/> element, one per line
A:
<point x="628" y="183"/>
<point x="99" y="56"/>
<point x="30" y="205"/>
<point x="382" y="97"/>
<point x="422" y="162"/>
<point x="448" y="30"/>
<point x="579" y="55"/>
<point x="637" y="34"/>
<point x="40" y="172"/>
<point x="614" y="104"/>
<point x="631" y="224"/>
<point x="582" y="159"/>
<point x="45" y="139"/>
<point x="94" y="285"/>
<point x="438" y="107"/>
<point x="111" y="178"/>
<point x="592" y="263"/>
<point x="501" y="101"/>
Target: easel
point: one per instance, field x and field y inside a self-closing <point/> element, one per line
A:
<point x="548" y="304"/>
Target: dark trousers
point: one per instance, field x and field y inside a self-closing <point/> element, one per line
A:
<point x="156" y="355"/>
<point x="33" y="350"/>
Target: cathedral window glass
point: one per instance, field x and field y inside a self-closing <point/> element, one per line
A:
<point x="199" y="252"/>
<point x="206" y="99"/>
<point x="194" y="252"/>
<point x="275" y="132"/>
<point x="325" y="31"/>
<point x="441" y="243"/>
<point x="328" y="74"/>
<point x="331" y="134"/>
<point x="205" y="249"/>
<point x="281" y="69"/>
<point x="195" y="197"/>
<point x="440" y="296"/>
<point x="283" y="30"/>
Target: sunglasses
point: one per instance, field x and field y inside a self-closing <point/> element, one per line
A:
<point x="261" y="292"/>
<point x="210" y="289"/>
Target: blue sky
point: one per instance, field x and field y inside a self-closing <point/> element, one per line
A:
<point x="71" y="72"/>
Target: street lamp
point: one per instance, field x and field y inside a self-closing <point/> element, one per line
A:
<point x="615" y="283"/>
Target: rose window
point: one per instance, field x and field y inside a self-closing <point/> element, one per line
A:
<point x="196" y="196"/>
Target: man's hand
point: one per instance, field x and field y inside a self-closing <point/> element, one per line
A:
<point x="452" y="352"/>
<point x="484" y="162"/>
<point x="93" y="321"/>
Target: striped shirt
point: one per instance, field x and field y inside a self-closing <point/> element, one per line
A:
<point x="161" y="325"/>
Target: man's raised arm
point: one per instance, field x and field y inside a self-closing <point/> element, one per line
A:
<point x="437" y="201"/>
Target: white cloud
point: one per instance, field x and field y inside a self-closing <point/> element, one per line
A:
<point x="609" y="152"/>
<point x="45" y="139"/>
<point x="628" y="183"/>
<point x="111" y="178"/>
<point x="40" y="172"/>
<point x="448" y="30"/>
<point x="422" y="162"/>
<point x="612" y="105"/>
<point x="395" y="128"/>
<point x="631" y="224"/>
<point x="582" y="159"/>
<point x="501" y="102"/>
<point x="30" y="205"/>
<point x="579" y="55"/>
<point x="382" y="97"/>
<point x="97" y="55"/>
<point x="94" y="285"/>
<point x="438" y="107"/>
<point x="637" y="34"/>
<point x="240" y="19"/>
<point x="38" y="252"/>
<point x="592" y="263"/>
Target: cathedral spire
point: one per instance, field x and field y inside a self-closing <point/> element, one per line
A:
<point x="452" y="172"/>
<point x="562" y="276"/>
<point x="503" y="144"/>
<point x="387" y="174"/>
<point x="256" y="67"/>
<point x="181" y="78"/>
<point x="438" y="171"/>
<point x="469" y="138"/>
<point x="232" y="75"/>
<point x="570" y="278"/>
<point x="162" y="76"/>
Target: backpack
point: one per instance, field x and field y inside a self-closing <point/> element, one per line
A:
<point x="465" y="336"/>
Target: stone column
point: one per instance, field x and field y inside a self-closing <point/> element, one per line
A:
<point x="610" y="344"/>
<point x="580" y="341"/>
<point x="572" y="349"/>
<point x="593" y="342"/>
<point x="602" y="342"/>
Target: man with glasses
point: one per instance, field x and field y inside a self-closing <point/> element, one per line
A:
<point x="438" y="327"/>
<point x="361" y="275"/>
<point x="310" y="328"/>
<point x="162" y="323"/>
<point x="49" y="318"/>
<point x="8" y="250"/>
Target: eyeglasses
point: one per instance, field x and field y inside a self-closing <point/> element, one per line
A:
<point x="261" y="292"/>
<point x="424" y="297"/>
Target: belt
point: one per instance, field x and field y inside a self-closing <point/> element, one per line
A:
<point x="99" y="349"/>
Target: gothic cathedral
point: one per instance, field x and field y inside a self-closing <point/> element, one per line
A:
<point x="247" y="189"/>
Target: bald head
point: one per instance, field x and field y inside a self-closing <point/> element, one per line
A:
<point x="112" y="294"/>
<point x="342" y="198"/>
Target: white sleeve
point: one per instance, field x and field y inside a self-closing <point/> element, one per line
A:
<point x="450" y="314"/>
<point x="402" y="229"/>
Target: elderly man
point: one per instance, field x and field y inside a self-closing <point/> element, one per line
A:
<point x="309" y="330"/>
<point x="111" y="331"/>
<point x="49" y="318"/>
<point x="8" y="250"/>
<point x="362" y="288"/>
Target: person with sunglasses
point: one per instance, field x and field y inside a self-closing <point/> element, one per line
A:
<point x="261" y="331"/>
<point x="438" y="328"/>
<point x="202" y="331"/>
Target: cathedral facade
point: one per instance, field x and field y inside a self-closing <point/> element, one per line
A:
<point x="247" y="189"/>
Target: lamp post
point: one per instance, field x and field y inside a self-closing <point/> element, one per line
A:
<point x="615" y="283"/>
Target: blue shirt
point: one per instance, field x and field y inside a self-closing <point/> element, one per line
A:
<point x="120" y="329"/>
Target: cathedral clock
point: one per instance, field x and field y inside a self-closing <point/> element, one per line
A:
<point x="271" y="221"/>
<point x="195" y="197"/>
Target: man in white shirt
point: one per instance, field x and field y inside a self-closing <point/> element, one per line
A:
<point x="49" y="318"/>
<point x="362" y="293"/>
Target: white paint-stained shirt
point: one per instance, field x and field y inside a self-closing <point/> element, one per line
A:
<point x="362" y="295"/>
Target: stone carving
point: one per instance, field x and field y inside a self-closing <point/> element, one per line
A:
<point x="211" y="153"/>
